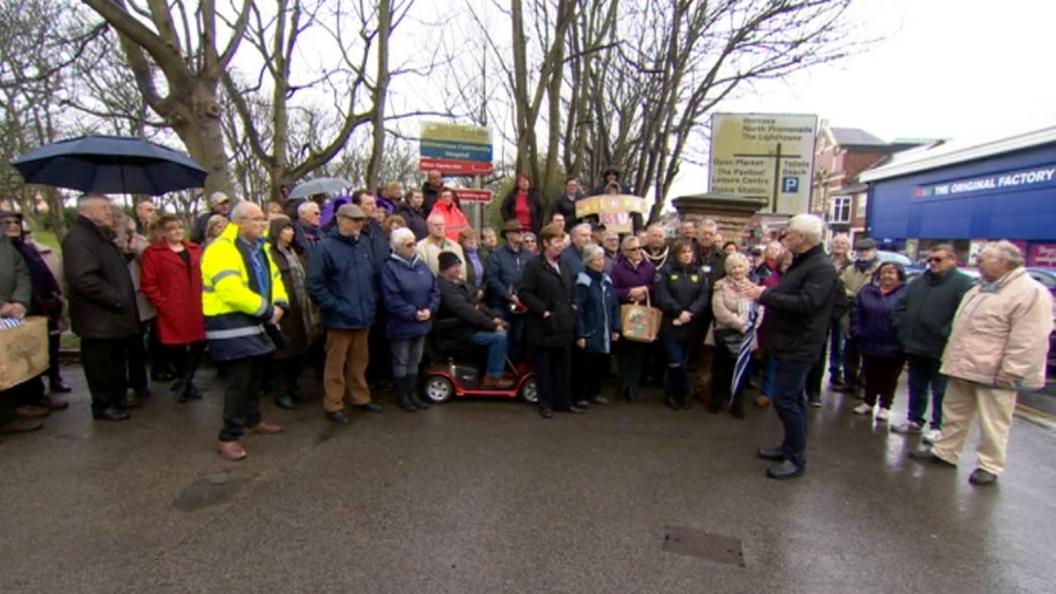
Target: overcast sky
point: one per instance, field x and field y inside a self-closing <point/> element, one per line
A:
<point x="946" y="69"/>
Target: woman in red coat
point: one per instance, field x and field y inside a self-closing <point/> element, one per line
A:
<point x="454" y="219"/>
<point x="171" y="277"/>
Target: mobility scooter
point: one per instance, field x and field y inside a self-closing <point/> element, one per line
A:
<point x="450" y="376"/>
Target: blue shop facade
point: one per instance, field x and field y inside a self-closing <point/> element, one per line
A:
<point x="967" y="195"/>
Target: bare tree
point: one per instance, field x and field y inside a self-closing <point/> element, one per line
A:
<point x="183" y="44"/>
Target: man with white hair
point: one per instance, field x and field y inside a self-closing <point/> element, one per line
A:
<point x="579" y="237"/>
<point x="798" y="309"/>
<point x="430" y="248"/>
<point x="102" y="304"/>
<point x="998" y="346"/>
<point x="306" y="228"/>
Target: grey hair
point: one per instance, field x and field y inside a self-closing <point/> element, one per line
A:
<point x="1007" y="251"/>
<point x="436" y="217"/>
<point x="708" y="224"/>
<point x="241" y="211"/>
<point x="581" y="227"/>
<point x="304" y="206"/>
<point x="400" y="235"/>
<point x="737" y="258"/>
<point x="591" y="251"/>
<point x="809" y="226"/>
<point x="626" y="243"/>
<point x="82" y="201"/>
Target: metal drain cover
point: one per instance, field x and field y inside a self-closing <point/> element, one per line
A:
<point x="697" y="543"/>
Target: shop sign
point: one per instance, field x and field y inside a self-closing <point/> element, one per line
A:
<point x="1032" y="177"/>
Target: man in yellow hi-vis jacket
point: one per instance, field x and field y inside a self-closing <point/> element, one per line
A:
<point x="243" y="299"/>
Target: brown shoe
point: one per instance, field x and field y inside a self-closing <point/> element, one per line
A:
<point x="21" y="426"/>
<point x="497" y="383"/>
<point x="54" y="403"/>
<point x="32" y="411"/>
<point x="232" y="450"/>
<point x="266" y="428"/>
<point x="762" y="401"/>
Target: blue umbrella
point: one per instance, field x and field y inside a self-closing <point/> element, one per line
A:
<point x="110" y="165"/>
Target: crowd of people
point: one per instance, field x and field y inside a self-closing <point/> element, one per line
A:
<point x="353" y="288"/>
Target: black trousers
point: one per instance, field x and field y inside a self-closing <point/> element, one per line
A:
<point x="592" y="368"/>
<point x="105" y="363"/>
<point x="817" y="372"/>
<point x="881" y="379"/>
<point x="722" y="367"/>
<point x="791" y="408"/>
<point x="852" y="363"/>
<point x="54" y="342"/>
<point x="631" y="356"/>
<point x="553" y="377"/>
<point x="159" y="354"/>
<point x="243" y="381"/>
<point x="137" y="362"/>
<point x="185" y="359"/>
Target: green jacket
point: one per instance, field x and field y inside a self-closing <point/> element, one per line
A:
<point x="14" y="275"/>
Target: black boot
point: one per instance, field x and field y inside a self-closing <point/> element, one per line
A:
<point x="403" y="397"/>
<point x="413" y="394"/>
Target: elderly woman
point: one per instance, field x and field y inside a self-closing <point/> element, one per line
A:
<point x="213" y="228"/>
<point x="412" y="298"/>
<point x="531" y="243"/>
<point x="632" y="277"/>
<point x="873" y="329"/>
<point x="299" y="326"/>
<point x="735" y="318"/>
<point x="597" y="322"/>
<point x="171" y="277"/>
<point x="476" y="258"/>
<point x="128" y="240"/>
<point x="682" y="294"/>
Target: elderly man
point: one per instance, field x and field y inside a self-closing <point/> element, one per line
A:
<point x="998" y="346"/>
<point x="376" y="242"/>
<point x="145" y="212"/>
<point x="219" y="204"/>
<point x="102" y="304"/>
<point x="243" y="299"/>
<point x="306" y="228"/>
<point x="855" y="277"/>
<point x="572" y="255"/>
<point x="798" y="309"/>
<point x="923" y="319"/>
<point x="470" y="322"/>
<point x="503" y="276"/>
<point x="656" y="248"/>
<point x="430" y="248"/>
<point x="342" y="282"/>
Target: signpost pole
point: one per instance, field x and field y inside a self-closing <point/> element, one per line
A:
<point x="777" y="177"/>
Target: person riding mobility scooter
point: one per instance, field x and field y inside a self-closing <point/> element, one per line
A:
<point x="462" y="324"/>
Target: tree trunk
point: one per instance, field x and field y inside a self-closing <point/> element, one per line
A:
<point x="197" y="123"/>
<point x="380" y="94"/>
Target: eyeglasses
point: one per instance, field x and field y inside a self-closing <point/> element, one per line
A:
<point x="11" y="222"/>
<point x="935" y="260"/>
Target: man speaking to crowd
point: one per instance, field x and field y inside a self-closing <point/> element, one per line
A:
<point x="798" y="309"/>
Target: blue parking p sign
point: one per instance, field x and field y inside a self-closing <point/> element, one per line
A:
<point x="789" y="184"/>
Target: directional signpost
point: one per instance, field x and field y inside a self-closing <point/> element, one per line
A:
<point x="768" y="156"/>
<point x="455" y="149"/>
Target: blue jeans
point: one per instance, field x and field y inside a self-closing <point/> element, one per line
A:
<point x="790" y="378"/>
<point x="924" y="372"/>
<point x="406" y="355"/>
<point x="496" y="343"/>
<point x="835" y="351"/>
<point x="677" y="376"/>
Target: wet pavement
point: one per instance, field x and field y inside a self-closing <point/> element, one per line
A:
<point x="478" y="496"/>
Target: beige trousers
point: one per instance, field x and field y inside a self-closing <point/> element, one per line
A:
<point x="959" y="408"/>
<point x="347" y="356"/>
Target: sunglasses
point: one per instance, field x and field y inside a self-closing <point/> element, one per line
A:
<point x="935" y="260"/>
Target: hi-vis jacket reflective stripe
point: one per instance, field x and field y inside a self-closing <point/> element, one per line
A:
<point x="234" y="312"/>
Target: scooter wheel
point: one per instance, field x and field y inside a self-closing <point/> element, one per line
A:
<point x="530" y="391"/>
<point x="438" y="389"/>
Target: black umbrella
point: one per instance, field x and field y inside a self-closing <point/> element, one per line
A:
<point x="110" y="165"/>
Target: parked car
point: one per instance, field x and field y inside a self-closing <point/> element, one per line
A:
<point x="1047" y="277"/>
<point x="896" y="257"/>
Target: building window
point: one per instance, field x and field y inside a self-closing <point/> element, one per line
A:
<point x="860" y="205"/>
<point x="841" y="210"/>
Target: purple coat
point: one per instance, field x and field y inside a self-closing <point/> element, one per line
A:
<point x="871" y="323"/>
<point x="625" y="277"/>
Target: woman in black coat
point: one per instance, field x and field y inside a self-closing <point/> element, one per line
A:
<point x="546" y="290"/>
<point x="300" y="326"/>
<point x="523" y="204"/>
<point x="682" y="294"/>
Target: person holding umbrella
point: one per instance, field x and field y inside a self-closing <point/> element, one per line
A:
<point x="102" y="304"/>
<point x="735" y="320"/>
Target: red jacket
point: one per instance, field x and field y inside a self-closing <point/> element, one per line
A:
<point x="454" y="219"/>
<point x="176" y="291"/>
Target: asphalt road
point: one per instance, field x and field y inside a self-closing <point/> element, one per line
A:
<point x="479" y="496"/>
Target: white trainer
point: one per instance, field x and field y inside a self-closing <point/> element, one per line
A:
<point x="907" y="428"/>
<point x="931" y="436"/>
<point x="863" y="409"/>
<point x="883" y="415"/>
